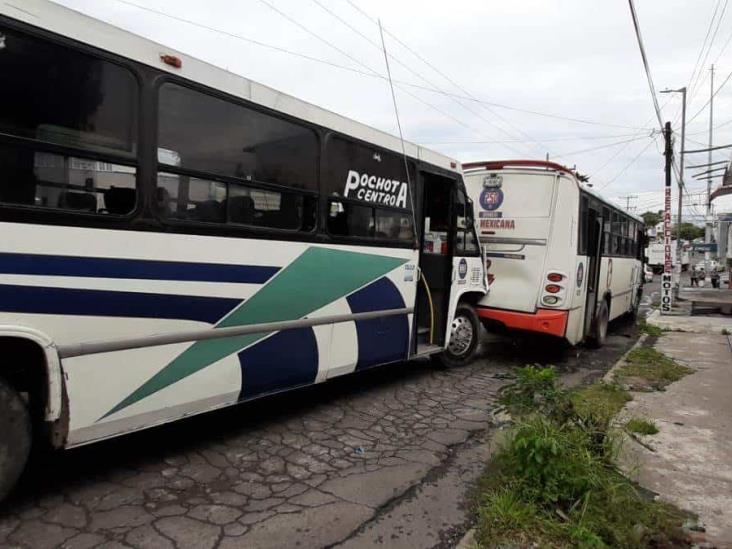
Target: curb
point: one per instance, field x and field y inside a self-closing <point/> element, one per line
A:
<point x="608" y="377"/>
<point x="467" y="541"/>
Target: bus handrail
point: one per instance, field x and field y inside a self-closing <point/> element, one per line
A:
<point x="84" y="349"/>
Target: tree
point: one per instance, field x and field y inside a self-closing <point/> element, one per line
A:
<point x="688" y="231"/>
<point x="651" y="219"/>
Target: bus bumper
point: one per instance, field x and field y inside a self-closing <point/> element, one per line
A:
<point x="543" y="320"/>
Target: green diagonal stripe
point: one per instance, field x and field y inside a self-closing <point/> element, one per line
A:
<point x="313" y="280"/>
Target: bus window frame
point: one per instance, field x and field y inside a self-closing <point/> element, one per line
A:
<point x="58" y="216"/>
<point x="233" y="230"/>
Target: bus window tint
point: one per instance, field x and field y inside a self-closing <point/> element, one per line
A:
<point x="394" y="225"/>
<point x="207" y="134"/>
<point x="348" y="219"/>
<point x="193" y="199"/>
<point x="47" y="180"/>
<point x="66" y="97"/>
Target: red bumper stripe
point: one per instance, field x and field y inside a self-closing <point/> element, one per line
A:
<point x="543" y="320"/>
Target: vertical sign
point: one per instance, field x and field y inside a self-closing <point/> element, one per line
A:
<point x="667" y="277"/>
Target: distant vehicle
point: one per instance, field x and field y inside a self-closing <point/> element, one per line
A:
<point x="561" y="260"/>
<point x="647" y="273"/>
<point x="656" y="256"/>
<point x="178" y="239"/>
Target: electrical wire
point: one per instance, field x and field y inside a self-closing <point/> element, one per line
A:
<point x="714" y="94"/>
<point x="429" y="83"/>
<point x="338" y="66"/>
<point x="629" y="164"/>
<point x="625" y="141"/>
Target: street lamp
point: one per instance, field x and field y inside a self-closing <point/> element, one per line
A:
<point x="682" y="91"/>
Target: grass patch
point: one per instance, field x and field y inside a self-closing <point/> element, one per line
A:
<point x="649" y="329"/>
<point x="641" y="426"/>
<point x="554" y="483"/>
<point x="604" y="397"/>
<point x="726" y="332"/>
<point x="648" y="363"/>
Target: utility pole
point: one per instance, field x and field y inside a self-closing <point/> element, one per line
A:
<point x="667" y="276"/>
<point x="628" y="198"/>
<point x="679" y="213"/>
<point x="707" y="226"/>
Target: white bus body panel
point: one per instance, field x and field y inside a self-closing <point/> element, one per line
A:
<point x="96" y="383"/>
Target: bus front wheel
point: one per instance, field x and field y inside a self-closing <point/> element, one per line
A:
<point x="464" y="336"/>
<point x="15" y="437"/>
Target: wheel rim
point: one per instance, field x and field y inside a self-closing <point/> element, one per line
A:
<point x="461" y="336"/>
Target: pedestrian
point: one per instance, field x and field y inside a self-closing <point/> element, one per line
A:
<point x="714" y="277"/>
<point x="701" y="276"/>
<point x="694" y="276"/>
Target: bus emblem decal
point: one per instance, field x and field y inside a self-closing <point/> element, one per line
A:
<point x="463" y="268"/>
<point x="491" y="198"/>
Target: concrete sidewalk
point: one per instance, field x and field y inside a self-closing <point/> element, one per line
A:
<point x="689" y="462"/>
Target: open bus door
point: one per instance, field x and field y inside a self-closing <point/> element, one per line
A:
<point x="594" y="251"/>
<point x="435" y="262"/>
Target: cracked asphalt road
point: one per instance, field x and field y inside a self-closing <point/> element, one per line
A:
<point x="385" y="457"/>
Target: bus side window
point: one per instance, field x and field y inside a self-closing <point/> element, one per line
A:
<point x="465" y="225"/>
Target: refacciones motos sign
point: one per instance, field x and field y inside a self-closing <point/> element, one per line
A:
<point x="376" y="190"/>
<point x="667" y="277"/>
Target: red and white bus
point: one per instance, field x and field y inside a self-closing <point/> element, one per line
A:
<point x="561" y="260"/>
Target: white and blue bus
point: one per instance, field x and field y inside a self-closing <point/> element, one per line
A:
<point x="176" y="238"/>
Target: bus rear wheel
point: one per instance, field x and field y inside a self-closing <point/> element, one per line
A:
<point x="599" y="331"/>
<point x="15" y="437"/>
<point x="464" y="336"/>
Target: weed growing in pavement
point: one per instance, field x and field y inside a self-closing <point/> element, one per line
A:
<point x="649" y="329"/>
<point x="648" y="363"/>
<point x="726" y="332"/>
<point x="641" y="426"/>
<point x="554" y="482"/>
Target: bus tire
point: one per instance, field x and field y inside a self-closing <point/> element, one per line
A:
<point x="599" y="326"/>
<point x="635" y="309"/>
<point x="16" y="434"/>
<point x="464" y="338"/>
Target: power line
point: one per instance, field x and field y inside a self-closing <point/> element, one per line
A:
<point x="636" y="26"/>
<point x="371" y="73"/>
<point x="420" y="76"/>
<point x="629" y="164"/>
<point x="710" y="99"/>
<point x="435" y="69"/>
<point x="709" y="49"/>
<point x="543" y="139"/>
<point x="601" y="147"/>
<point x="328" y="43"/>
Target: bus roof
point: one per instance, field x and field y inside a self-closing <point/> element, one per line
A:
<point x="547" y="166"/>
<point x="72" y="24"/>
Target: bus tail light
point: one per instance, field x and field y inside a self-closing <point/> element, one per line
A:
<point x="555" y="277"/>
<point x="550" y="299"/>
<point x="553" y="288"/>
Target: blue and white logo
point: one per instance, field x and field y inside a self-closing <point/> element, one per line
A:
<point x="463" y="268"/>
<point x="491" y="199"/>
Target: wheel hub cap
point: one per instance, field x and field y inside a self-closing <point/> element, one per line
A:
<point x="461" y="336"/>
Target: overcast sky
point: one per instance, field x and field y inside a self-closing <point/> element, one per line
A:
<point x="577" y="59"/>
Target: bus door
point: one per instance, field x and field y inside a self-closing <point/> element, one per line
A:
<point x="594" y="253"/>
<point x="435" y="262"/>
